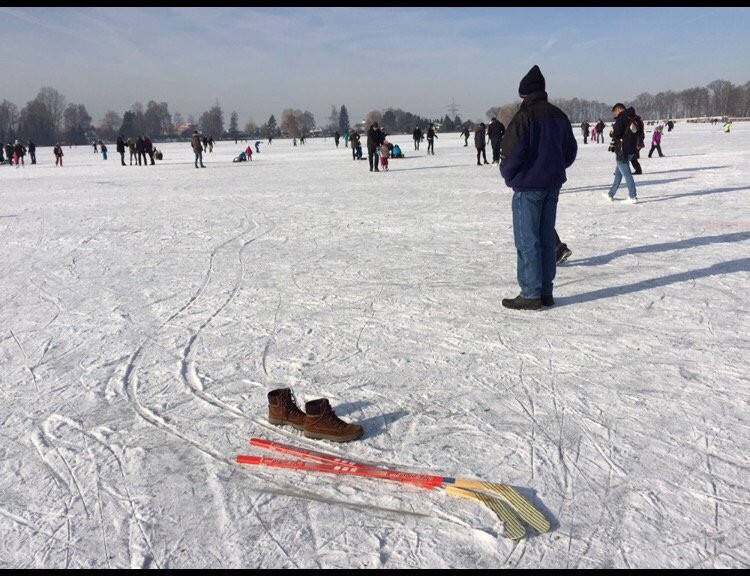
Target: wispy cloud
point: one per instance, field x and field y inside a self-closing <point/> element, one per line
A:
<point x="549" y="44"/>
<point x="259" y="60"/>
<point x="588" y="43"/>
<point x="26" y="16"/>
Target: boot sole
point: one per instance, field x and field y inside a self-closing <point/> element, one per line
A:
<point x="319" y="436"/>
<point x="285" y="423"/>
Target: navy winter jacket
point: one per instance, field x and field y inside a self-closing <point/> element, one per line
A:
<point x="496" y="131"/>
<point x="538" y="146"/>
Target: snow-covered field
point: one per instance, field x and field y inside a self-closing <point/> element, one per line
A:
<point x="145" y="313"/>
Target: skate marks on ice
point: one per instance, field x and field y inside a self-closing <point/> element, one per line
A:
<point x="222" y="280"/>
<point x="88" y="492"/>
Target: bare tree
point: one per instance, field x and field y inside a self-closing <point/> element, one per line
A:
<point x="296" y="123"/>
<point x="493" y="112"/>
<point x="305" y="122"/>
<point x="55" y="104"/>
<point x="251" y="129"/>
<point x="333" y="119"/>
<point x="372" y="117"/>
<point x="289" y="126"/>
<point x="36" y="123"/>
<point x="212" y="121"/>
<point x="8" y="121"/>
<point x="722" y="91"/>
<point x="109" y="125"/>
<point x="507" y="112"/>
<point x="156" y="119"/>
<point x="177" y="121"/>
<point x="76" y="123"/>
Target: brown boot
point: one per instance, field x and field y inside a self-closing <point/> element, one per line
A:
<point x="321" y="422"/>
<point x="282" y="409"/>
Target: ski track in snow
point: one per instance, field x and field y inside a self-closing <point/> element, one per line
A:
<point x="148" y="311"/>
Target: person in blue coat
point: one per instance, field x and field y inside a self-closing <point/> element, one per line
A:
<point x="537" y="148"/>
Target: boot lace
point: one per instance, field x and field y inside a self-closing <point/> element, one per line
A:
<point x="293" y="407"/>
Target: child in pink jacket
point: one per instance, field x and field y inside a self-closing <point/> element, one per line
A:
<point x="384" y="152"/>
<point x="656" y="142"/>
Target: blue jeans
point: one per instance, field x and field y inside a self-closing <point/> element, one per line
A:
<point x="198" y="158"/>
<point x="623" y="169"/>
<point x="534" y="213"/>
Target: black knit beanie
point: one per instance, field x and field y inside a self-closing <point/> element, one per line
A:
<point x="532" y="82"/>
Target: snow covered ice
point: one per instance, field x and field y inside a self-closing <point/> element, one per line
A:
<point x="146" y="312"/>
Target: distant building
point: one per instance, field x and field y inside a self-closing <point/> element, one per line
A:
<point x="181" y="129"/>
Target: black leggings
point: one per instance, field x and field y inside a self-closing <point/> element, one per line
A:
<point x="372" y="159"/>
<point x="656" y="147"/>
<point x="482" y="152"/>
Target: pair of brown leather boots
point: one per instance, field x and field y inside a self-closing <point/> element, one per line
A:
<point x="317" y="421"/>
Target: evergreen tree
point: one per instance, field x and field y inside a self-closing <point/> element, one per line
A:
<point x="234" y="128"/>
<point x="270" y="128"/>
<point x="128" y="128"/>
<point x="343" y="120"/>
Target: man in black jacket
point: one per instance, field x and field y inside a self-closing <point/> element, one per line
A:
<point x="600" y="126"/>
<point x="480" y="142"/>
<point x="121" y="148"/>
<point x="417" y="136"/>
<point x="465" y="133"/>
<point x="623" y="144"/>
<point x="538" y="147"/>
<point x="496" y="131"/>
<point x="375" y="138"/>
<point x="431" y="139"/>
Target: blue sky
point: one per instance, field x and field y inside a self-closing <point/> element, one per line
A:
<point x="259" y="61"/>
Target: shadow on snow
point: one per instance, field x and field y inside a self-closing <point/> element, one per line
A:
<point x="730" y="267"/>
<point x="663" y="247"/>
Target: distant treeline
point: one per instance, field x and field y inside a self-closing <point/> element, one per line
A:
<point x="720" y="98"/>
<point x="48" y="119"/>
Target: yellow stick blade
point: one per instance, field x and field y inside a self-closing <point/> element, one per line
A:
<point x="521" y="505"/>
<point x="513" y="529"/>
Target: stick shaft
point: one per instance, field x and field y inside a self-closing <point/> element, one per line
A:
<point x="341" y="469"/>
<point x="424" y="480"/>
